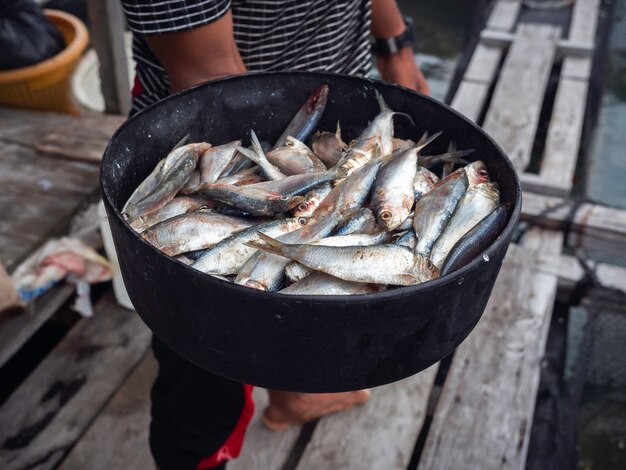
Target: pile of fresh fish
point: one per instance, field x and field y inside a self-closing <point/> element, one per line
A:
<point x="320" y="219"/>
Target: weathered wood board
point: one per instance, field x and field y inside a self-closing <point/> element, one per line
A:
<point x="594" y="226"/>
<point x="470" y="99"/>
<point x="51" y="409"/>
<point x="516" y="104"/>
<point x="118" y="438"/>
<point x="379" y="434"/>
<point x="12" y="249"/>
<point x="16" y="329"/>
<point x="583" y="30"/>
<point x="561" y="151"/>
<point x="484" y="64"/>
<point x="31" y="128"/>
<point x="504" y="15"/>
<point x="534" y="183"/>
<point x="40" y="192"/>
<point x="483" y="417"/>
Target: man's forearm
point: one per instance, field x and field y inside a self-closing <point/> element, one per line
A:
<point x="399" y="67"/>
<point x="387" y="20"/>
<point x="194" y="56"/>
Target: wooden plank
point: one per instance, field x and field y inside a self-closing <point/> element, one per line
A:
<point x="21" y="167"/>
<point x="563" y="140"/>
<point x="584" y="21"/>
<point x="12" y="249"/>
<point x="39" y="195"/>
<point x="484" y="415"/>
<point x="107" y="23"/>
<point x="582" y="29"/>
<point x="64" y="145"/>
<point x="30" y="128"/>
<point x="51" y="409"/>
<point x="564" y="46"/>
<point x="570" y="272"/>
<point x="597" y="227"/>
<point x="470" y="99"/>
<point x="118" y="438"/>
<point x="514" y="112"/>
<point x="484" y="64"/>
<point x="263" y="448"/>
<point x="28" y="213"/>
<point x="534" y="183"/>
<point x="15" y="330"/>
<point x="381" y="434"/>
<point x="576" y="68"/>
<point x="503" y="15"/>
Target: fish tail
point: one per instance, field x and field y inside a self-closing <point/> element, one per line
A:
<point x="267" y="243"/>
<point x="252" y="155"/>
<point x="256" y="145"/>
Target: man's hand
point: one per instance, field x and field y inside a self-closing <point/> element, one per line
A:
<point x="194" y="56"/>
<point x="402" y="69"/>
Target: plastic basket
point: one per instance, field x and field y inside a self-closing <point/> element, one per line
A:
<point x="46" y="86"/>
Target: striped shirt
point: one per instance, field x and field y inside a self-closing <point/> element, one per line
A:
<point x="272" y="35"/>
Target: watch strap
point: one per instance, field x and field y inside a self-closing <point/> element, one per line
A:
<point x="392" y="45"/>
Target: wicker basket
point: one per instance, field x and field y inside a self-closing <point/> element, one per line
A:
<point x="46" y="86"/>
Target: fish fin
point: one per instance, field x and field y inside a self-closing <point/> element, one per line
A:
<point x="182" y="141"/>
<point x="419" y="146"/>
<point x="452" y="146"/>
<point x="338" y="131"/>
<point x="456" y="157"/>
<point x="381" y="102"/>
<point x="461" y="153"/>
<point x="253" y="284"/>
<point x="422" y="139"/>
<point x="398" y="113"/>
<point x="339" y="172"/>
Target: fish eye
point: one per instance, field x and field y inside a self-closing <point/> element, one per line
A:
<point x="386" y="215"/>
<point x="289" y="143"/>
<point x="285" y="198"/>
<point x="303" y="206"/>
<point x="302" y="220"/>
<point x="483" y="173"/>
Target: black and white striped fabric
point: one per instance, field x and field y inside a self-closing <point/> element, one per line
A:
<point x="272" y="35"/>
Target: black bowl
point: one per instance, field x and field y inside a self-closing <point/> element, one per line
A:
<point x="298" y="343"/>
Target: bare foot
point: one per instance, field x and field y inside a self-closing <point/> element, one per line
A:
<point x="287" y="408"/>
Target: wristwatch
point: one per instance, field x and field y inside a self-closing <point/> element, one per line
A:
<point x="392" y="45"/>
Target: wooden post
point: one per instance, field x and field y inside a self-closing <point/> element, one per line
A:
<point x="107" y="32"/>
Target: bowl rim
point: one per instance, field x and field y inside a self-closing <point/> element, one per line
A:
<point x="400" y="291"/>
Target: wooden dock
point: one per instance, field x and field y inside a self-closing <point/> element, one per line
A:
<point x="87" y="404"/>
